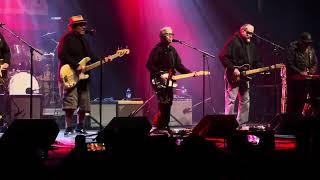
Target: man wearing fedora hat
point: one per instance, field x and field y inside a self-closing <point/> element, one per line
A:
<point x="73" y="47"/>
<point x="301" y="62"/>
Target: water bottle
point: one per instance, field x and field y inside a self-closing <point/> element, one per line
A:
<point x="128" y="93"/>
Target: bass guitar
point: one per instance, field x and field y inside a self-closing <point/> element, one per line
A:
<point x="70" y="77"/>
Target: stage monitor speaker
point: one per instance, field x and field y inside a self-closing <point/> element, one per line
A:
<point x="218" y="125"/>
<point x="181" y="112"/>
<point x="125" y="127"/>
<point x="285" y="123"/>
<point x="20" y="106"/>
<point x="39" y="133"/>
<point x="108" y="112"/>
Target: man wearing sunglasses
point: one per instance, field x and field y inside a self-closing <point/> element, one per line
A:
<point x="73" y="47"/>
<point x="238" y="51"/>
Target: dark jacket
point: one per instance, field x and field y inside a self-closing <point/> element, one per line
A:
<point x="73" y="47"/>
<point x="4" y="50"/>
<point x="298" y="61"/>
<point x="163" y="58"/>
<point x="237" y="52"/>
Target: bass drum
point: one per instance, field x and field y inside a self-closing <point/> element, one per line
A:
<point x="19" y="84"/>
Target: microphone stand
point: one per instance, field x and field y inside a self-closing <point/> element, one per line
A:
<point x="205" y="55"/>
<point x="32" y="49"/>
<point x="275" y="49"/>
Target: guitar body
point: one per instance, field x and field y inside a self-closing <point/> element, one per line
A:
<point x="70" y="77"/>
<point x="3" y="78"/>
<point x="159" y="83"/>
<point x="235" y="80"/>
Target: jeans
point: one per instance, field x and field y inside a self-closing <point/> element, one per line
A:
<point x="242" y="91"/>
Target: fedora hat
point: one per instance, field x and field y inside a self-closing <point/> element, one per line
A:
<point x="305" y="37"/>
<point x="76" y="20"/>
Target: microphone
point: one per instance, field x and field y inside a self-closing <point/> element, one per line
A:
<point x="90" y="31"/>
<point x="175" y="40"/>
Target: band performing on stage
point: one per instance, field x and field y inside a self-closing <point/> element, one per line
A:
<point x="228" y="89"/>
<point x="68" y="84"/>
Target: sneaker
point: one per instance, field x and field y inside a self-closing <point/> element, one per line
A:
<point x="153" y="129"/>
<point x="68" y="131"/>
<point x="81" y="131"/>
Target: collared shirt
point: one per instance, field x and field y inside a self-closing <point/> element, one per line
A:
<point x="164" y="58"/>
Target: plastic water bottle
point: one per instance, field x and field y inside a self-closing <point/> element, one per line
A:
<point x="128" y="93"/>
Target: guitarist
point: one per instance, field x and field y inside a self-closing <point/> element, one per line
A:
<point x="162" y="64"/>
<point x="237" y="51"/>
<point x="5" y="57"/>
<point x="301" y="62"/>
<point x="73" y="47"/>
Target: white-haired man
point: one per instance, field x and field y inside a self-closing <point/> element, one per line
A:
<point x="163" y="62"/>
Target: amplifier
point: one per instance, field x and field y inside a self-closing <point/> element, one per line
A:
<point x="126" y="107"/>
<point x="181" y="112"/>
<point x="108" y="113"/>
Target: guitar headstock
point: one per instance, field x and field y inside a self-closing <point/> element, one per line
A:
<point x="277" y="66"/>
<point x="122" y="52"/>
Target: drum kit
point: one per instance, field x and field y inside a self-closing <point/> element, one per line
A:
<point x="43" y="79"/>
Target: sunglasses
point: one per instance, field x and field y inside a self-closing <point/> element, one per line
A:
<point x="250" y="33"/>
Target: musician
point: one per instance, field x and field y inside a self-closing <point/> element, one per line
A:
<point x="301" y="62"/>
<point x="73" y="47"/>
<point x="5" y="56"/>
<point x="163" y="62"/>
<point x="237" y="51"/>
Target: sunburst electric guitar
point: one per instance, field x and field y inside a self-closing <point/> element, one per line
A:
<point x="70" y="77"/>
<point x="245" y="72"/>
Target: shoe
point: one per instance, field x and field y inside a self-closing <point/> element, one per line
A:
<point x="153" y="129"/>
<point x="68" y="131"/>
<point x="81" y="131"/>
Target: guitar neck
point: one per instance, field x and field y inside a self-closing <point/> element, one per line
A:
<point x="182" y="76"/>
<point x="258" y="70"/>
<point x="98" y="63"/>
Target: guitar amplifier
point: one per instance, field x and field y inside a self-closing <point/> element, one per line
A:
<point x="181" y="112"/>
<point x="108" y="113"/>
<point x="126" y="107"/>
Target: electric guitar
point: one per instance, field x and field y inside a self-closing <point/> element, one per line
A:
<point x="245" y="72"/>
<point x="2" y="72"/>
<point x="159" y="83"/>
<point x="70" y="77"/>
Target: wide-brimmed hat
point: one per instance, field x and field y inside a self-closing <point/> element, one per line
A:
<point x="76" y="20"/>
<point x="305" y="37"/>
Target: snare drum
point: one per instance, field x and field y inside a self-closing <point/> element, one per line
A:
<point x="19" y="84"/>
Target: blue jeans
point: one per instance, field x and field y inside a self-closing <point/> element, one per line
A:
<point x="241" y="90"/>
